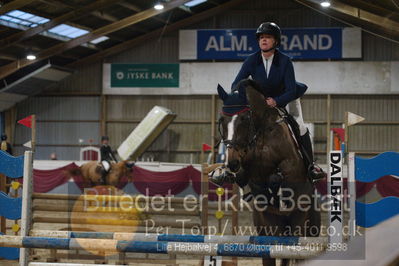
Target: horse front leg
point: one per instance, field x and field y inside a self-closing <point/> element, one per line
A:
<point x="268" y="224"/>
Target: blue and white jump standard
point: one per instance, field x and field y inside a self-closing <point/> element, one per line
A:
<point x="164" y="247"/>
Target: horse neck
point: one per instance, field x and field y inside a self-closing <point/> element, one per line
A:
<point x="270" y="117"/>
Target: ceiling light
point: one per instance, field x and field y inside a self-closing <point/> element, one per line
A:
<point x="30" y="56"/>
<point x="325" y="4"/>
<point x="194" y="3"/>
<point x="158" y="6"/>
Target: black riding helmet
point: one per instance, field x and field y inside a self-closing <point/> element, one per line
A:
<point x="270" y="28"/>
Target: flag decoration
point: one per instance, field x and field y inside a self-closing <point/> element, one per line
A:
<point x="27" y="121"/>
<point x="354" y="118"/>
<point x="206" y="147"/>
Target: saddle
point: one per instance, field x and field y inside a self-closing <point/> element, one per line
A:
<point x="295" y="133"/>
<point x="292" y="125"/>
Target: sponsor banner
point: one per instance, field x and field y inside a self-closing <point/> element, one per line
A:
<point x="299" y="43"/>
<point x="335" y="192"/>
<point x="322" y="77"/>
<point x="144" y="75"/>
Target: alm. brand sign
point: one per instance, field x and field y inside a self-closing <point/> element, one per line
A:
<point x="299" y="43"/>
<point x="144" y="75"/>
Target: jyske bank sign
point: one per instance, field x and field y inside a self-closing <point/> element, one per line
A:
<point x="144" y="75"/>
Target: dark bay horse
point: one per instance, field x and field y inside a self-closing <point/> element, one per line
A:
<point x="263" y="154"/>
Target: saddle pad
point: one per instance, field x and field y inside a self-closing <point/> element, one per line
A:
<point x="282" y="114"/>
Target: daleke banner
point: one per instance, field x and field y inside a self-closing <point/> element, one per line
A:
<point x="143" y="75"/>
<point x="298" y="43"/>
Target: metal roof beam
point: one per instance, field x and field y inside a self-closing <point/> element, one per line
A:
<point x="387" y="25"/>
<point x="14" y="5"/>
<point x="59" y="48"/>
<point x="110" y="18"/>
<point x="6" y="42"/>
<point x="376" y="9"/>
<point x="154" y="34"/>
<point x="137" y="9"/>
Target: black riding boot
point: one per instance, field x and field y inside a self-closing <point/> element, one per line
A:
<point x="315" y="173"/>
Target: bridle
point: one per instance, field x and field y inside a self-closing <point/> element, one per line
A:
<point x="252" y="132"/>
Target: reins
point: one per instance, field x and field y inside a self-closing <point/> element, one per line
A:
<point x="253" y="132"/>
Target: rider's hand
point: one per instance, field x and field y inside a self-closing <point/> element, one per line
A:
<point x="271" y="102"/>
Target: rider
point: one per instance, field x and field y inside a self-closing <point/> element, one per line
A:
<point x="106" y="151"/>
<point x="5" y="146"/>
<point x="107" y="156"/>
<point x="274" y="72"/>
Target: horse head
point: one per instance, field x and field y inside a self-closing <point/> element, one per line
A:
<point x="233" y="126"/>
<point x="117" y="171"/>
<point x="244" y="114"/>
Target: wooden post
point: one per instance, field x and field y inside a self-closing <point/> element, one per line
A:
<point x="33" y="133"/>
<point x="346" y="138"/>
<point x="234" y="215"/>
<point x="213" y="128"/>
<point x="204" y="198"/>
<point x="3" y="221"/>
<point x="16" y="221"/>
<point x="328" y="126"/>
<point x="103" y="115"/>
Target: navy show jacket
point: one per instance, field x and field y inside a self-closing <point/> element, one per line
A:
<point x="280" y="84"/>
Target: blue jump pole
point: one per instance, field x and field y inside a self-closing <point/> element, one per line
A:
<point x="259" y="240"/>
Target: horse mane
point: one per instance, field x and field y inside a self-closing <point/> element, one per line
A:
<point x="261" y="111"/>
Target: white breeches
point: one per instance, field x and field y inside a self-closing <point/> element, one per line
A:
<point x="294" y="108"/>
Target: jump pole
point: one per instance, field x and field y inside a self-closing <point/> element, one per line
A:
<point x="259" y="240"/>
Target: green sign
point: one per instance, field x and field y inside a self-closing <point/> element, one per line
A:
<point x="144" y="75"/>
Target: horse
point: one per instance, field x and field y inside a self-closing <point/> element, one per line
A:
<point x="262" y="153"/>
<point x="93" y="172"/>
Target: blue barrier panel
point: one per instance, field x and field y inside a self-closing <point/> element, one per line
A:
<point x="11" y="166"/>
<point x="9" y="253"/>
<point x="369" y="170"/>
<point x="368" y="215"/>
<point x="10" y="208"/>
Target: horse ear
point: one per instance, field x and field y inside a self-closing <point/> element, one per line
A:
<point x="256" y="101"/>
<point x="222" y="93"/>
<point x="242" y="93"/>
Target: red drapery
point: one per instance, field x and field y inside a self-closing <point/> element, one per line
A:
<point x="152" y="183"/>
<point x="174" y="182"/>
<point x="46" y="180"/>
<point x="387" y="186"/>
<point x="147" y="182"/>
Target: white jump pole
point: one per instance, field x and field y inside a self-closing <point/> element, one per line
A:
<point x="352" y="194"/>
<point x="26" y="216"/>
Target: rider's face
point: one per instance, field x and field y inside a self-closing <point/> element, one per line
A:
<point x="266" y="41"/>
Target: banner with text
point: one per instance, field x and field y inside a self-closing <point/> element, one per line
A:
<point x="299" y="43"/>
<point x="142" y="75"/>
